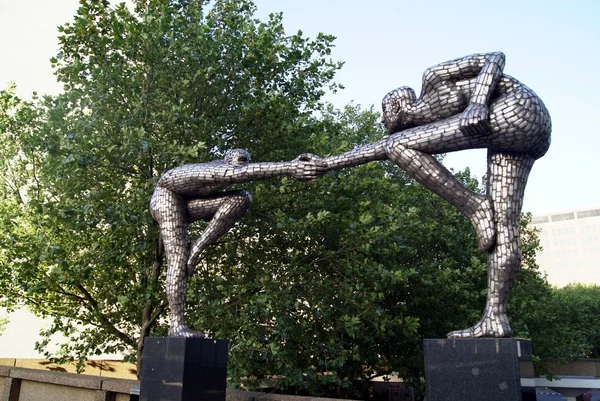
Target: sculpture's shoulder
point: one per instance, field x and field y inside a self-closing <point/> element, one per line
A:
<point x="196" y="168"/>
<point x="197" y="178"/>
<point x="218" y="162"/>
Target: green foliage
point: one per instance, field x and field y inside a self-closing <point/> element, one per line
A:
<point x="573" y="315"/>
<point x="166" y="84"/>
<point x="561" y="323"/>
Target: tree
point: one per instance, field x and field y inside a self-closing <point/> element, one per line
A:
<point x="167" y="83"/>
<point x="561" y="323"/>
<point x="571" y="318"/>
<point x="19" y="222"/>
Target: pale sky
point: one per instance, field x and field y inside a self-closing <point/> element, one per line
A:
<point x="551" y="46"/>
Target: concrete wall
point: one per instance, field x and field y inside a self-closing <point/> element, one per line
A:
<point x="103" y="368"/>
<point x="20" y="384"/>
<point x="583" y="367"/>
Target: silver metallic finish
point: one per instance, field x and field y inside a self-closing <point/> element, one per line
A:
<point x="469" y="103"/>
<point x="191" y="193"/>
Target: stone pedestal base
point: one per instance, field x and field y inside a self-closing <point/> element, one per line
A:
<point x="183" y="369"/>
<point x="475" y="369"/>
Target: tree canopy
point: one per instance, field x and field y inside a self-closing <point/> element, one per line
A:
<point x="144" y="90"/>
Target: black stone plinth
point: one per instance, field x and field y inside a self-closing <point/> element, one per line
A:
<point x="183" y="369"/>
<point x="474" y="369"/>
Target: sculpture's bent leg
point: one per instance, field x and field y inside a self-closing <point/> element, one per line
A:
<point x="508" y="177"/>
<point x="222" y="211"/>
<point x="519" y="122"/>
<point x="169" y="210"/>
<point x="434" y="176"/>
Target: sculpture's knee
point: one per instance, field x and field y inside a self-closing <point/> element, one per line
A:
<point x="508" y="257"/>
<point x="244" y="198"/>
<point x="158" y="203"/>
<point x="239" y="202"/>
<point x="166" y="206"/>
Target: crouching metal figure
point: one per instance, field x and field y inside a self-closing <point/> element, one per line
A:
<point x="469" y="103"/>
<point x="191" y="193"/>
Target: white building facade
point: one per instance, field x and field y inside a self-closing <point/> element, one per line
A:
<point x="571" y="242"/>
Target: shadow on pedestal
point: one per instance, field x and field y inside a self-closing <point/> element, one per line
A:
<point x="183" y="369"/>
<point x="477" y="369"/>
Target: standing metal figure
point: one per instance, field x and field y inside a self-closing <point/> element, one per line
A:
<point x="469" y="103"/>
<point x="191" y="193"/>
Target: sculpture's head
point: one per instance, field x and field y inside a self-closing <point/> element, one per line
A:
<point x="237" y="157"/>
<point x="397" y="106"/>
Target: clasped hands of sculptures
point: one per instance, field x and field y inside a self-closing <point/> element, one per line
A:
<point x="465" y="103"/>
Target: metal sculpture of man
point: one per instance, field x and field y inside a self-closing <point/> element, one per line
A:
<point x="191" y="193"/>
<point x="469" y="103"/>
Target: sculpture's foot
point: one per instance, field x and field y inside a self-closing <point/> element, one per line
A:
<point x="483" y="223"/>
<point x="184" y="331"/>
<point x="489" y="326"/>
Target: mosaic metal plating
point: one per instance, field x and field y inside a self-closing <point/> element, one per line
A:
<point x="191" y="193"/>
<point x="469" y="103"/>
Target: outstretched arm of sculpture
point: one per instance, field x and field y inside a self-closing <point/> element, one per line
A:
<point x="308" y="166"/>
<point x="305" y="167"/>
<point x="357" y="156"/>
<point x="196" y="179"/>
<point x="487" y="68"/>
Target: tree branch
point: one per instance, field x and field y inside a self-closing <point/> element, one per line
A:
<point x="93" y="307"/>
